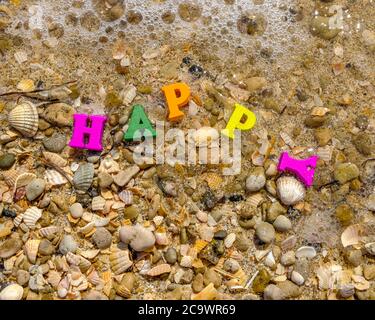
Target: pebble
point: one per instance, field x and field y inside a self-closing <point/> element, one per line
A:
<point x="211" y="276"/>
<point x="364" y="143"/>
<point x="345" y="172"/>
<point x="197" y="284"/>
<point x="261" y="281"/>
<point x="242" y="243"/>
<point x="10" y="247"/>
<point x="255" y="83"/>
<point x="34" y="189"/>
<point x="102" y="238"/>
<point x="282" y="224"/>
<point x="289" y="289"/>
<point x="68" y="244"/>
<point x="323" y="136"/>
<point x="56" y="143"/>
<point x="46" y="248"/>
<point x="7" y="160"/>
<point x="256" y="180"/>
<point x="368" y="37"/>
<point x="369" y="271"/>
<point x="60" y="114"/>
<point x="171" y="255"/>
<point x="231" y="265"/>
<point x="355" y="257"/>
<point x="320" y="26"/>
<point x="273" y="292"/>
<point x="370" y="203"/>
<point x="221" y="234"/>
<point x="131" y="212"/>
<point x="105" y="180"/>
<point x="76" y="210"/>
<point x="288" y="258"/>
<point x="265" y="232"/>
<point x="297" y="278"/>
<point x="344" y="214"/>
<point x="274" y="211"/>
<point x="22" y="277"/>
<point x="346" y="291"/>
<point x="123" y="177"/>
<point x="139" y="238"/>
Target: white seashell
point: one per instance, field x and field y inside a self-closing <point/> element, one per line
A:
<point x="120" y="261"/>
<point x="54" y="178"/>
<point x="161" y="238"/>
<point x="31" y="249"/>
<point x="352" y="235"/>
<point x="290" y="190"/>
<point x="255" y="199"/>
<point x="287" y="139"/>
<point x="297" y="278"/>
<point x="31" y="216"/>
<point x="73" y="259"/>
<point x="20" y="56"/>
<point x="229" y="240"/>
<point x="97" y="203"/>
<point x="186" y="261"/>
<point x="83" y="177"/>
<point x="87" y="228"/>
<point x="270" y="260"/>
<point x="94" y="278"/>
<point x="24" y="117"/>
<point x="10" y="176"/>
<point x="306" y="252"/>
<point x="48" y="231"/>
<point x="128" y="95"/>
<point x="159" y="270"/>
<point x="100" y="221"/>
<point x="325" y="153"/>
<point x="54" y="159"/>
<point x="126" y="196"/>
<point x="12" y="292"/>
<point x="17" y="220"/>
<point x="23" y="179"/>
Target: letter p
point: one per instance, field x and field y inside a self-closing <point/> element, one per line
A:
<point x="88" y="132"/>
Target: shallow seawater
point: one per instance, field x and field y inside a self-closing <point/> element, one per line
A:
<point x="167" y="231"/>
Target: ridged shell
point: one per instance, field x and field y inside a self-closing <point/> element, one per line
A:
<point x="229" y="240"/>
<point x="87" y="229"/>
<point x="97" y="203"/>
<point x="18" y="220"/>
<point x="24" y="117"/>
<point x="255" y="199"/>
<point x="290" y="190"/>
<point x="73" y="259"/>
<point x="54" y="178"/>
<point x="31" y="216"/>
<point x="55" y="159"/>
<point x="89" y="254"/>
<point x="48" y="231"/>
<point x="120" y="261"/>
<point x="12" y="292"/>
<point x="24" y="179"/>
<point x="83" y="177"/>
<point x="208" y="293"/>
<point x="94" y="278"/>
<point x="325" y="153"/>
<point x="352" y="235"/>
<point x="214" y="181"/>
<point x="126" y="196"/>
<point x="26" y="85"/>
<point x="53" y="278"/>
<point x="123" y="291"/>
<point x="10" y="176"/>
<point x="287" y="139"/>
<point x="31" y="249"/>
<point x="159" y="270"/>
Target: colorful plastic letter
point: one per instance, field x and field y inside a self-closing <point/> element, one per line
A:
<point x="177" y="95"/>
<point x="92" y="132"/>
<point x="138" y="120"/>
<point x="303" y="169"/>
<point x="235" y="120"/>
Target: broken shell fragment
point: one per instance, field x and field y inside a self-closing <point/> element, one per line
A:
<point x="31" y="216"/>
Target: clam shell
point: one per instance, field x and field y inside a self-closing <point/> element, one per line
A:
<point x="126" y="196"/>
<point x="229" y="240"/>
<point x="120" y="261"/>
<point x="123" y="291"/>
<point x="352" y="235"/>
<point x="10" y="176"/>
<point x="159" y="270"/>
<point x="97" y="203"/>
<point x="26" y="85"/>
<point x="73" y="259"/>
<point x="53" y="278"/>
<point x="306" y="252"/>
<point x="48" y="231"/>
<point x="12" y="292"/>
<point x="290" y="190"/>
<point x="54" y="178"/>
<point x="55" y="159"/>
<point x="24" y="117"/>
<point x="255" y="199"/>
<point x="325" y="153"/>
<point x="31" y="216"/>
<point x="83" y="177"/>
<point x="208" y="293"/>
<point x="31" y="249"/>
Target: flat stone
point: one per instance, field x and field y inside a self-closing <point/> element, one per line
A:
<point x="34" y="189"/>
<point x="123" y="177"/>
<point x="7" y="160"/>
<point x="56" y="143"/>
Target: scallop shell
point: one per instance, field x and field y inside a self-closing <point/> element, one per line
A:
<point x="208" y="293"/>
<point x="306" y="252"/>
<point x="26" y="85"/>
<point x="10" y="176"/>
<point x="159" y="270"/>
<point x="123" y="291"/>
<point x="55" y="159"/>
<point x="120" y="261"/>
<point x="97" y="203"/>
<point x="73" y="259"/>
<point x="229" y="240"/>
<point x="12" y="292"/>
<point x="23" y="179"/>
<point x="255" y="199"/>
<point x="325" y="153"/>
<point x="18" y="220"/>
<point x="31" y="216"/>
<point x="24" y="117"/>
<point x="352" y="235"/>
<point x="83" y="177"/>
<point x="94" y="278"/>
<point x="48" y="231"/>
<point x="126" y="196"/>
<point x="31" y="249"/>
<point x="290" y="190"/>
<point x="54" y="178"/>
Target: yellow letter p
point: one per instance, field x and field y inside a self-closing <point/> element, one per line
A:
<point x="236" y="123"/>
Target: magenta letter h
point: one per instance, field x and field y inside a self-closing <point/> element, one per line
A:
<point x="93" y="134"/>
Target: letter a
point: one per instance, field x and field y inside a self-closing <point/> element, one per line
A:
<point x="82" y="131"/>
<point x="177" y="95"/>
<point x="138" y="121"/>
<point x="235" y="121"/>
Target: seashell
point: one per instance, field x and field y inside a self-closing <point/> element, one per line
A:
<point x="26" y="85"/>
<point x="287" y="139"/>
<point x="109" y="165"/>
<point x="10" y="176"/>
<point x="123" y="291"/>
<point x="306" y="252"/>
<point x="325" y="153"/>
<point x="126" y="196"/>
<point x="17" y="220"/>
<point x="24" y="117"/>
<point x="319" y="111"/>
<point x="20" y="56"/>
<point x="159" y="270"/>
<point x="55" y="159"/>
<point x="89" y="254"/>
<point x="120" y="261"/>
<point x="270" y="260"/>
<point x="12" y="292"/>
<point x="73" y="259"/>
<point x="128" y="95"/>
<point x="214" y="181"/>
<point x="158" y="220"/>
<point x="48" y="231"/>
<point x="290" y="190"/>
<point x="31" y="216"/>
<point x="83" y="177"/>
<point x="87" y="229"/>
<point x="229" y="240"/>
<point x="100" y="221"/>
<point x="31" y="249"/>
<point x="84" y="264"/>
<point x="370" y="248"/>
<point x="54" y="177"/>
<point x="94" y="278"/>
<point x="53" y="278"/>
<point x="23" y="179"/>
<point x="257" y="158"/>
<point x="97" y="203"/>
<point x="361" y="283"/>
<point x="255" y="200"/>
<point x="161" y="238"/>
<point x="199" y="245"/>
<point x="297" y="278"/>
<point x="208" y="293"/>
<point x="352" y="235"/>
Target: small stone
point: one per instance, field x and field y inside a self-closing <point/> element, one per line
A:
<point x="46" y="248"/>
<point x="370" y="203"/>
<point x="104" y="179"/>
<point x="273" y="292"/>
<point x="7" y="160"/>
<point x="231" y="265"/>
<point x="171" y="255"/>
<point x="56" y="143"/>
<point x="131" y="212"/>
<point x="355" y="257"/>
<point x="34" y="189"/>
<point x="346" y="291"/>
<point x="314" y="121"/>
<point x="102" y="238"/>
<point x="123" y="177"/>
<point x="76" y="210"/>
<point x="321" y="26"/>
<point x="364" y="144"/>
<point x="60" y="114"/>
<point x="368" y="37"/>
<point x="274" y="211"/>
<point x="323" y="136"/>
<point x="139" y="238"/>
<point x="68" y="244"/>
<point x="265" y="232"/>
<point x="10" y="247"/>
<point x="282" y="224"/>
<point x="22" y="277"/>
<point x="345" y="172"/>
<point x="369" y="271"/>
<point x="261" y="281"/>
<point x="242" y="242"/>
<point x="289" y="289"/>
<point x="211" y="276"/>
<point x="221" y="234"/>
<point x="197" y="284"/>
<point x="288" y="258"/>
<point x="362" y="122"/>
<point x="297" y="278"/>
<point x="256" y="180"/>
<point x="344" y="214"/>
